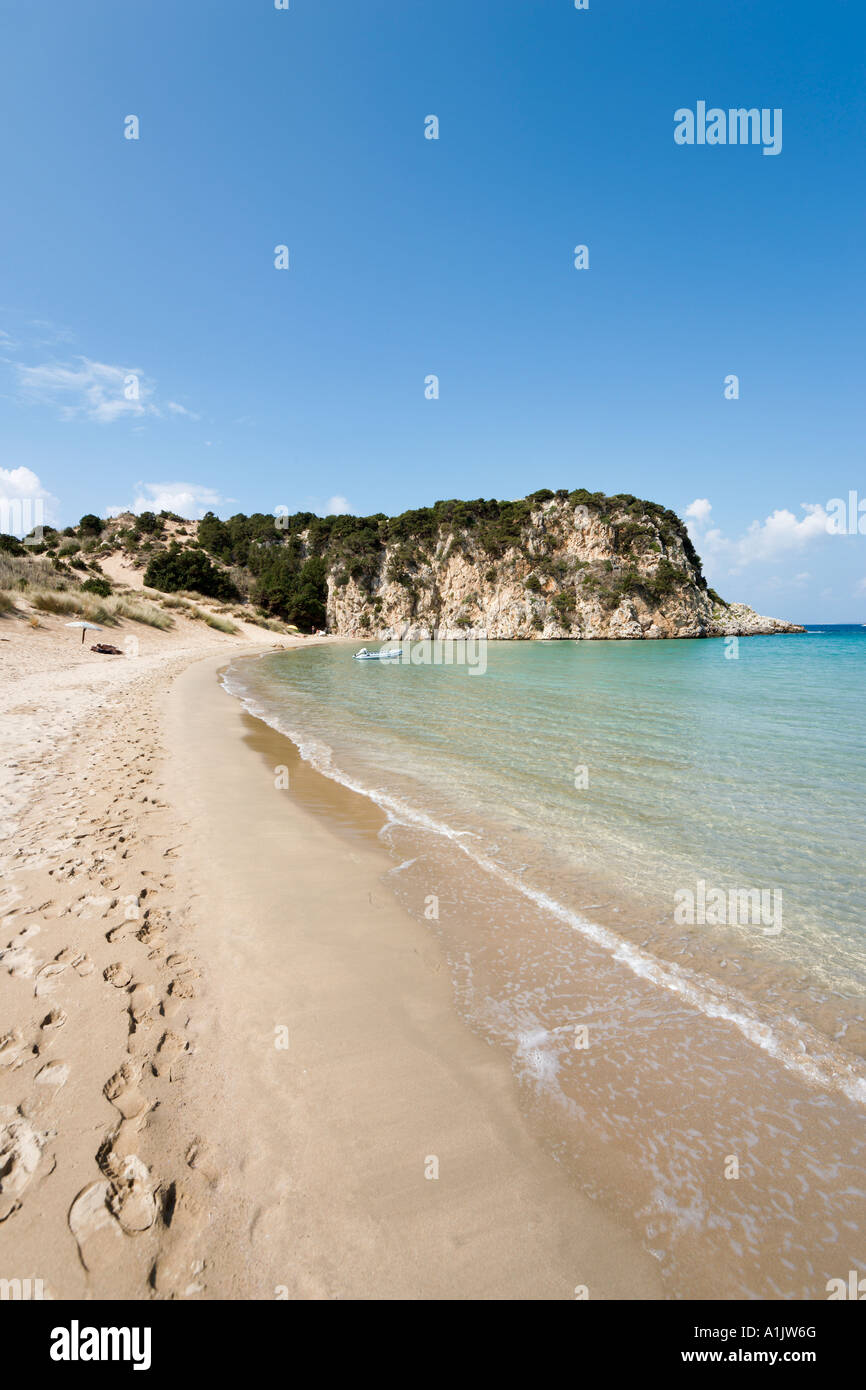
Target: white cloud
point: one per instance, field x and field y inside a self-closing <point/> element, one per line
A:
<point x="182" y="410"/>
<point x="778" y="535"/>
<point x="783" y="531"/>
<point x="25" y="502"/>
<point x="188" y="500"/>
<point x="338" y="506"/>
<point x="699" y="510"/>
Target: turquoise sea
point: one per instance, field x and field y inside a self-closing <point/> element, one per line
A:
<point x="554" y="817"/>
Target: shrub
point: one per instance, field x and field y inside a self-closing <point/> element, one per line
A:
<point x="148" y="524"/>
<point x="11" y="545"/>
<point x="666" y="579"/>
<point x="96" y="586"/>
<point x="175" y="569"/>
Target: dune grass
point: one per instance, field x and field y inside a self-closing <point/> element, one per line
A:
<point x="271" y="624"/>
<point x="20" y="571"/>
<point x="166" y="600"/>
<point x="141" y="613"/>
<point x="54" y="601"/>
<point x="107" y="613"/>
<point x="7" y="604"/>
<point x="221" y="624"/>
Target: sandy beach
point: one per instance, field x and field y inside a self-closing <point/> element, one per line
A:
<point x="231" y="1066"/>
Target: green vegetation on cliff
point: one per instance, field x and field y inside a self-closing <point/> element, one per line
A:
<point x="284" y="563"/>
<point x="290" y="557"/>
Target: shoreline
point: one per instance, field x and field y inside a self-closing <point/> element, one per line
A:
<point x="236" y="1061"/>
<point x="655" y="1119"/>
<point x="380" y="1080"/>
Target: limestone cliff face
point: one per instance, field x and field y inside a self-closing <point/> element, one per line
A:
<point x="574" y="572"/>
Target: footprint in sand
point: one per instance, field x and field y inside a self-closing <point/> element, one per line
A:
<point x="118" y="975"/>
<point x="94" y="1227"/>
<point x="46" y="977"/>
<point x="55" y="1019"/>
<point x="11" y="1047"/>
<point x="120" y="931"/>
<point x="171" y="1047"/>
<point x="141" y="1002"/>
<point x="176" y="1269"/>
<point x="182" y="987"/>
<point x="18" y="958"/>
<point x="131" y="1196"/>
<point x="20" y="1152"/>
<point x="151" y="932"/>
<point x="199" y="1158"/>
<point x="53" y="1074"/>
<point x="122" y="1090"/>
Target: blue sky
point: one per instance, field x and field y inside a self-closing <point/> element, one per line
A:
<point x="304" y="388"/>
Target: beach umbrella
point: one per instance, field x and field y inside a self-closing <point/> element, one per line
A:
<point x="85" y="627"/>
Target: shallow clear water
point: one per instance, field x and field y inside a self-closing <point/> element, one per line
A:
<point x="542" y="819"/>
<point x="742" y="773"/>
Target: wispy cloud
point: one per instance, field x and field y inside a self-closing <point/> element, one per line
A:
<point x="86" y="389"/>
<point x="80" y="387"/>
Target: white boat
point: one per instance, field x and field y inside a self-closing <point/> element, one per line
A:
<point x="364" y="655"/>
